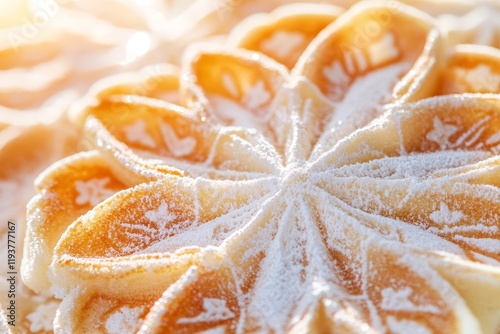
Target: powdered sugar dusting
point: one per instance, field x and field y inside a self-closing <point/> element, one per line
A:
<point x="472" y="134"/>
<point x="124" y="321"/>
<point x="93" y="191"/>
<point x="485" y="244"/>
<point x="161" y="216"/>
<point x="217" y="330"/>
<point x="399" y="300"/>
<point x="338" y="77"/>
<point x="446" y="216"/>
<point x="406" y="326"/>
<point x="495" y="138"/>
<point x="256" y="96"/>
<point x="351" y="111"/>
<point x="179" y="147"/>
<point x="418" y="166"/>
<point x="237" y="114"/>
<point x="283" y="43"/>
<point x="231" y="111"/>
<point x="441" y="133"/>
<point x="43" y="317"/>
<point x="376" y="87"/>
<point x="136" y="133"/>
<point x="214" y="310"/>
<point x="480" y="79"/>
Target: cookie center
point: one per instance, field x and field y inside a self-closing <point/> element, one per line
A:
<point x="293" y="175"/>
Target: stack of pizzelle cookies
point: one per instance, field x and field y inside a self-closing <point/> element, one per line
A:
<point x="326" y="169"/>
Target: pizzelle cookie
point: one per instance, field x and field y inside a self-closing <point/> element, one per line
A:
<point x="351" y="189"/>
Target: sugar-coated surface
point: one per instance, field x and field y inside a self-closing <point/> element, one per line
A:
<point x="337" y="194"/>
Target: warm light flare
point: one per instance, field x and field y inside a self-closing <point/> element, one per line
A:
<point x="13" y="12"/>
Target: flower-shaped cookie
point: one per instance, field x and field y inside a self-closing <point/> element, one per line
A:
<point x="337" y="193"/>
